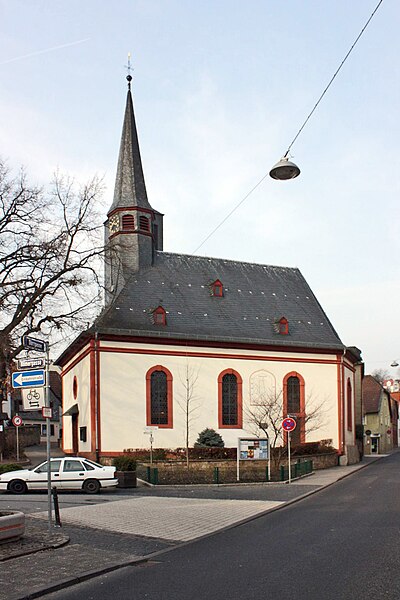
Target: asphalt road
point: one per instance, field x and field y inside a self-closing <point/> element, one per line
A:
<point x="342" y="543"/>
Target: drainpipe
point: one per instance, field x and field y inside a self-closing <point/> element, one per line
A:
<point x="96" y="396"/>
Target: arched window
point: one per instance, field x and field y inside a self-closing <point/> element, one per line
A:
<point x="230" y="400"/>
<point x="128" y="223"/>
<point x="349" y="406"/>
<point x="294" y="405"/>
<point x="144" y="223"/>
<point x="159" y="397"/>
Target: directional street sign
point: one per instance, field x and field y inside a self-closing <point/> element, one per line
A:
<point x="30" y="363"/>
<point x="24" y="379"/>
<point x="33" y="398"/>
<point x="289" y="424"/>
<point x="33" y="344"/>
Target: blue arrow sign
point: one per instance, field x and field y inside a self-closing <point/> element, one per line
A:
<point x="21" y="379"/>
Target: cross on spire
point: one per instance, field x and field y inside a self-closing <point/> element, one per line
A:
<point x="129" y="69"/>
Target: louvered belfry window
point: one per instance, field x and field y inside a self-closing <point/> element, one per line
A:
<point x="293" y="395"/>
<point x="144" y="223"/>
<point x="128" y="223"/>
<point x="159" y="398"/>
<point x="229" y="399"/>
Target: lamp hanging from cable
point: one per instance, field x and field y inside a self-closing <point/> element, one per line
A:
<point x="285" y="169"/>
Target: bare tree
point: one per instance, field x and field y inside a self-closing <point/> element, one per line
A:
<point x="187" y="400"/>
<point x="266" y="415"/>
<point x="380" y="375"/>
<point x="50" y="253"/>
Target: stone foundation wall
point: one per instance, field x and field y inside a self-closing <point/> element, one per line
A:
<point x="175" y="473"/>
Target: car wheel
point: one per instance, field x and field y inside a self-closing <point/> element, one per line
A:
<point x="17" y="486"/>
<point x="91" y="486"/>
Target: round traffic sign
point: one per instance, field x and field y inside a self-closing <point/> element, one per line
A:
<point x="17" y="421"/>
<point x="289" y="424"/>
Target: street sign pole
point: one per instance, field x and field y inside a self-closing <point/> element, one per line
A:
<point x="290" y="466"/>
<point x="47" y="404"/>
<point x="17" y="434"/>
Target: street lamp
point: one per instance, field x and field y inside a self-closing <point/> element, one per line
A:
<point x="284" y="169"/>
<point x="394" y="364"/>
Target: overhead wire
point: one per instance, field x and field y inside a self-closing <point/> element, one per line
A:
<point x="297" y="134"/>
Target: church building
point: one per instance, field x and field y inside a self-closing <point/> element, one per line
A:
<point x="188" y="342"/>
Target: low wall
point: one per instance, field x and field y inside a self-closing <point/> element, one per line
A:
<point x="28" y="435"/>
<point x="176" y="472"/>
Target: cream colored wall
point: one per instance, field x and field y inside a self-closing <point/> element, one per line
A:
<point x="82" y="373"/>
<point x="123" y="392"/>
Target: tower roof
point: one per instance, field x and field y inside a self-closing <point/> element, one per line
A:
<point x="130" y="188"/>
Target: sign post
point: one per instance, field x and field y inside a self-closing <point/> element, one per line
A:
<point x="289" y="424"/>
<point x="17" y="422"/>
<point x="149" y="431"/>
<point x="39" y="378"/>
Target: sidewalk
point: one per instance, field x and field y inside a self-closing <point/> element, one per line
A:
<point x="127" y="530"/>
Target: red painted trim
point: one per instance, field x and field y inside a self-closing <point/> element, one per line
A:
<point x="216" y="355"/>
<point x="239" y="424"/>
<point x="92" y="384"/>
<point x="128" y="208"/>
<point x="349" y="400"/>
<point x="98" y="396"/>
<point x="159" y="341"/>
<point x="75" y="362"/>
<point x="62" y="412"/>
<point x="130" y="232"/>
<point x="340" y="415"/>
<point x="168" y="373"/>
<point x="302" y="413"/>
<point x="75" y="387"/>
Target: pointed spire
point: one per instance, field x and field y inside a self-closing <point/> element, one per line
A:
<point x="130" y="187"/>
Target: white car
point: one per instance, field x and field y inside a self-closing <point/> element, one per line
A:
<point x="69" y="473"/>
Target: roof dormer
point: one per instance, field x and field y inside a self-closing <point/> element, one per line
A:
<point x="217" y="289"/>
<point x="159" y="316"/>
<point x="283" y="326"/>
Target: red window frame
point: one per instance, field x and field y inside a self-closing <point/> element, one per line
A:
<point x="299" y="416"/>
<point x="283" y="326"/>
<point x="239" y="380"/>
<point x="128" y="223"/>
<point x="349" y="405"/>
<point x="217" y="289"/>
<point x="159" y="316"/>
<point x="144" y="224"/>
<point x="169" y="424"/>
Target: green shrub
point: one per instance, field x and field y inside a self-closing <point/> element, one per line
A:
<point x="10" y="467"/>
<point x="124" y="463"/>
<point x="209" y="438"/>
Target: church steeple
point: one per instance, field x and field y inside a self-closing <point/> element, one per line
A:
<point x="133" y="230"/>
<point x="130" y="187"/>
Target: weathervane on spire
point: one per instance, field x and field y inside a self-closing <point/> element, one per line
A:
<point x="129" y="68"/>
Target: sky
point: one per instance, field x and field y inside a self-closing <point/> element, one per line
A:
<point x="220" y="89"/>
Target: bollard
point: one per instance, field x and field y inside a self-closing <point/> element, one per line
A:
<point x="216" y="475"/>
<point x="148" y="474"/>
<point x="266" y="474"/>
<point x="282" y="469"/>
<point x="56" y="507"/>
<point x="155" y="476"/>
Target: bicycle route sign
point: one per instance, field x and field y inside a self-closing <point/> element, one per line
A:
<point x="33" y="398"/>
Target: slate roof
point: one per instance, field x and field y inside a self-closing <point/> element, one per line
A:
<point x="255" y="298"/>
<point x="130" y="187"/>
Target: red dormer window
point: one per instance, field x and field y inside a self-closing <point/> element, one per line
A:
<point x="159" y="316"/>
<point x="283" y="325"/>
<point x="217" y="289"/>
<point x="144" y="223"/>
<point x="128" y="223"/>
